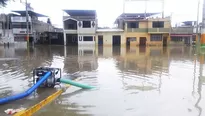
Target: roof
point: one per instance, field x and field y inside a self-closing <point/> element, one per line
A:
<point x="134" y="16"/>
<point x="31" y="13"/>
<point x="189" y="22"/>
<point x="110" y="30"/>
<point x="81" y="12"/>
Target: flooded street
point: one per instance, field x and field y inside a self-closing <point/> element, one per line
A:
<point x="135" y="81"/>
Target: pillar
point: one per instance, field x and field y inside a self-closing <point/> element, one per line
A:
<point x="191" y="40"/>
<point x="64" y="37"/>
<point x="65" y="51"/>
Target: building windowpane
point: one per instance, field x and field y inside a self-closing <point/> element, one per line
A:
<point x="133" y="24"/>
<point x="87" y="38"/>
<point x="158" y="24"/>
<point x="156" y="37"/>
<point x="131" y="38"/>
<point x="86" y="24"/>
<point x="177" y="39"/>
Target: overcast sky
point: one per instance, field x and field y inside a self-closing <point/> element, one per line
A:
<point x="108" y="10"/>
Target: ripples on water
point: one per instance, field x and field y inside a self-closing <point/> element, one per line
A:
<point x="150" y="81"/>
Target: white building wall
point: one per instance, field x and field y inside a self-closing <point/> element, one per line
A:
<point x="8" y="37"/>
<point x="90" y="30"/>
<point x="81" y="31"/>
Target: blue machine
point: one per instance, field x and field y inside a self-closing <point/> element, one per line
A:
<point x="53" y="79"/>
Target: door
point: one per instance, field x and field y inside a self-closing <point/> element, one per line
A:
<point x="143" y="41"/>
<point x="164" y="41"/>
<point x="100" y="40"/>
<point x="128" y="41"/>
<point x="116" y="40"/>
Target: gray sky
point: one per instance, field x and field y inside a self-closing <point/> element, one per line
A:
<point x="108" y="10"/>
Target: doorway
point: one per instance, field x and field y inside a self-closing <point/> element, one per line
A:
<point x="116" y="40"/>
<point x="164" y="41"/>
<point x="72" y="39"/>
<point x="128" y="41"/>
<point x="100" y="40"/>
<point x="143" y="41"/>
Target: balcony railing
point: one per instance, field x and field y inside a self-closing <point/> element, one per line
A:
<point x="182" y="30"/>
<point x="145" y="30"/>
<point x="149" y="30"/>
<point x="158" y="30"/>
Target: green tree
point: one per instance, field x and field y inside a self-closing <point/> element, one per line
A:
<point x="3" y="3"/>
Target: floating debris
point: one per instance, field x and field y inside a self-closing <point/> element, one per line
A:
<point x="13" y="111"/>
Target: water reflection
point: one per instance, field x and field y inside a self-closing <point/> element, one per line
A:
<point x="130" y="81"/>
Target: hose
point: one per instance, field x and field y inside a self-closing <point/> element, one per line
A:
<point x="26" y="93"/>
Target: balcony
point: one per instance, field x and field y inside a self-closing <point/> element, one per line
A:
<point x="70" y="31"/>
<point x="20" y="19"/>
<point x="182" y="30"/>
<point x="140" y="30"/>
<point x="158" y="30"/>
<point x="20" y="31"/>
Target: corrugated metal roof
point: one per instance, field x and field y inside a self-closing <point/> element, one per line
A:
<point x="31" y="13"/>
<point x="134" y="16"/>
<point x="81" y="12"/>
<point x="110" y="30"/>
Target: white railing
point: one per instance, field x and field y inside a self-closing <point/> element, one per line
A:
<point x="19" y="31"/>
<point x="19" y="19"/>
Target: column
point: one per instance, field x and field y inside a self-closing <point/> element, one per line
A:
<point x="64" y="37"/>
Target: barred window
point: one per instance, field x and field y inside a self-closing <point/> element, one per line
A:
<point x="156" y="37"/>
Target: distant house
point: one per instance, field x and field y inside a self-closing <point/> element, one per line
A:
<point x="35" y="26"/>
<point x="141" y="30"/>
<point x="79" y="27"/>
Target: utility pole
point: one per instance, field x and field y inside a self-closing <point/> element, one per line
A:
<point x="27" y="24"/>
<point x="197" y="24"/>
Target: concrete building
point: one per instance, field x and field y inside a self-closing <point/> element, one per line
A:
<point x="80" y="27"/>
<point x="6" y="34"/>
<point x="140" y="29"/>
<point x="109" y="37"/>
<point x="35" y="26"/>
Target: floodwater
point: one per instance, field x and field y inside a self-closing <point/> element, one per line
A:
<point x="135" y="81"/>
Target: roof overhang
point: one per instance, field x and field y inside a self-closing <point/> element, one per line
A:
<point x="31" y="13"/>
<point x="134" y="16"/>
<point x="81" y="12"/>
<point x="109" y="30"/>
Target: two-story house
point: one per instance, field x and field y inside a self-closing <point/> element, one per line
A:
<point x="79" y="27"/>
<point x="141" y="29"/>
<point x="19" y="25"/>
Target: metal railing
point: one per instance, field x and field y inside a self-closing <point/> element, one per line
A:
<point x="182" y="30"/>
<point x="158" y="30"/>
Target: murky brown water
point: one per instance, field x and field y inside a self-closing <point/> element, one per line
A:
<point x="152" y="81"/>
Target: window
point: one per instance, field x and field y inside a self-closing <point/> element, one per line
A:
<point x="131" y="38"/>
<point x="158" y="24"/>
<point x="157" y="37"/>
<point x="86" y="24"/>
<point x="71" y="26"/>
<point x="87" y="38"/>
<point x="133" y="24"/>
<point x="176" y="39"/>
<point x="20" y="25"/>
